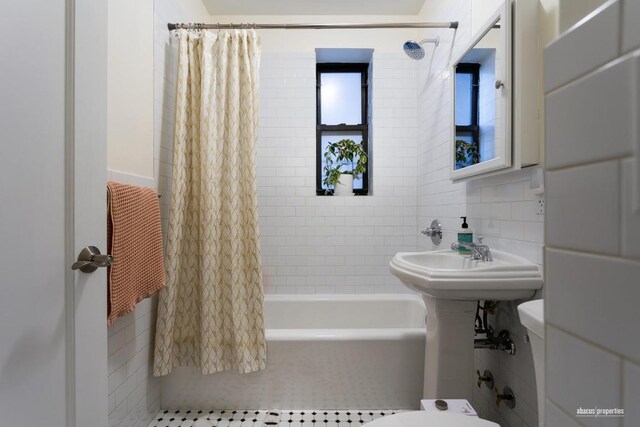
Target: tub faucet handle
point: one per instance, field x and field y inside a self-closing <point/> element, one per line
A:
<point x="486" y="377"/>
<point x="508" y="397"/>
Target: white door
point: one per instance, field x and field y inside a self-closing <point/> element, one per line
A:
<point x="53" y="335"/>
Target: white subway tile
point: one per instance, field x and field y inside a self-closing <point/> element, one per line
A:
<point x="534" y="232"/>
<point x="529" y="251"/>
<point x="630" y="31"/>
<point x="579" y="286"/>
<point x="117" y="415"/>
<point x="589" y="44"/>
<point x="593" y="118"/>
<point x="581" y="375"/>
<point x="524" y="211"/>
<point x="631" y="394"/>
<point x="555" y="417"/>
<point x="491" y="227"/>
<point x="583" y="208"/>
<point x="512" y="230"/>
<point x="630" y="229"/>
<point x="500" y="211"/>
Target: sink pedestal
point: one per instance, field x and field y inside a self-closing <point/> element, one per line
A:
<point x="451" y="285"/>
<point x="448" y="369"/>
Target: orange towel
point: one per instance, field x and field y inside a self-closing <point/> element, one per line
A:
<point x="134" y="239"/>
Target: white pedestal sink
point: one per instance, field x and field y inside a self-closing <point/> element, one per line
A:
<point x="450" y="285"/>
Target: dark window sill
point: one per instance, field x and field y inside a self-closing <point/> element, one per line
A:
<point x="323" y="192"/>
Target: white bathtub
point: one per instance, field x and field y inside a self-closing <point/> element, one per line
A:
<point x="323" y="352"/>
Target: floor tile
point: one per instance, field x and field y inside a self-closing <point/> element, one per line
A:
<point x="262" y="418"/>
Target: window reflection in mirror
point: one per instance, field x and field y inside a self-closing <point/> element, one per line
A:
<point x="475" y="102"/>
<point x="467" y="129"/>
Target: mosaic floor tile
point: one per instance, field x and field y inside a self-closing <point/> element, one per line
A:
<point x="280" y="418"/>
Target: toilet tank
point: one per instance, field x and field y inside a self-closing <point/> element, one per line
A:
<point x="532" y="317"/>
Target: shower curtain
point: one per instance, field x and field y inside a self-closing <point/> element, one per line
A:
<point x="210" y="313"/>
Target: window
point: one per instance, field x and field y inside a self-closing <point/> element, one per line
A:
<point x="342" y="113"/>
<point x="467" y="127"/>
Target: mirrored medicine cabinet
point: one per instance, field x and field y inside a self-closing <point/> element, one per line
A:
<point x="496" y="97"/>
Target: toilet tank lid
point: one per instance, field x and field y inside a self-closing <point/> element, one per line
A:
<point x="532" y="316"/>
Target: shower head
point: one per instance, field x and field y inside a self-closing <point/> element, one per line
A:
<point x="414" y="49"/>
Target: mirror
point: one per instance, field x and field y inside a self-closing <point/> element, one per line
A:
<point x="481" y="78"/>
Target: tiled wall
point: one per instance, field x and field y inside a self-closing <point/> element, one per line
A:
<point x="320" y="244"/>
<point x="309" y="243"/>
<point x="593" y="229"/>
<point x="134" y="394"/>
<point x="165" y="68"/>
<point x="500" y="208"/>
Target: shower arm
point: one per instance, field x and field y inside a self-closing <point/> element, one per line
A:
<point x="352" y="26"/>
<point x="435" y="41"/>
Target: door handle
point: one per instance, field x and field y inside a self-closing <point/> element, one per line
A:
<point x="90" y="259"/>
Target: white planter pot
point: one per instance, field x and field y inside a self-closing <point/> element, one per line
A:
<point x="345" y="186"/>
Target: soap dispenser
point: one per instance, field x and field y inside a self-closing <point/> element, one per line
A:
<point x="464" y="235"/>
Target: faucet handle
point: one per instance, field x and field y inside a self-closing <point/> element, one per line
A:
<point x="480" y="239"/>
<point x="434" y="231"/>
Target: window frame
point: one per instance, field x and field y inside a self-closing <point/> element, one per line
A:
<point x="333" y="67"/>
<point x="473" y="129"/>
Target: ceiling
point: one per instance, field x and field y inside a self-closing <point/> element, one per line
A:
<point x="313" y="7"/>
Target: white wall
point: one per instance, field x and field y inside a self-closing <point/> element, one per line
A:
<point x="321" y="244"/>
<point x="548" y="11"/>
<point x="130" y="88"/>
<point x="592" y="258"/>
<point x="287" y="41"/>
<point x="481" y="11"/>
<point x="134" y="394"/>
<point x="572" y="11"/>
<point x="500" y="208"/>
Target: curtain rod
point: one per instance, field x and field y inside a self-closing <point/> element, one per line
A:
<point x="196" y="26"/>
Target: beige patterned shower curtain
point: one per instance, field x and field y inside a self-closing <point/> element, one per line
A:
<point x="210" y="314"/>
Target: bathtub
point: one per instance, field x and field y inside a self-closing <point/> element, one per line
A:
<point x="323" y="352"/>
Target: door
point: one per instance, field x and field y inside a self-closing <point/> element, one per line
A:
<point x="53" y="336"/>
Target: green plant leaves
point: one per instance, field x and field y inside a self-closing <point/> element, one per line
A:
<point x="340" y="157"/>
<point x="467" y="154"/>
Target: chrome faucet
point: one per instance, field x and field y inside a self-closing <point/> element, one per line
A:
<point x="478" y="252"/>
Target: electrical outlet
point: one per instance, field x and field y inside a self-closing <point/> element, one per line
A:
<point x="540" y="207"/>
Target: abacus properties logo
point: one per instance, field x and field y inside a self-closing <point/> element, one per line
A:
<point x="596" y="412"/>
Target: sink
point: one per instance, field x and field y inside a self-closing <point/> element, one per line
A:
<point x="446" y="274"/>
<point x="450" y="285"/>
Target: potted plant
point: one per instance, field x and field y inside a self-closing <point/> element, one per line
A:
<point x="467" y="154"/>
<point x="345" y="160"/>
